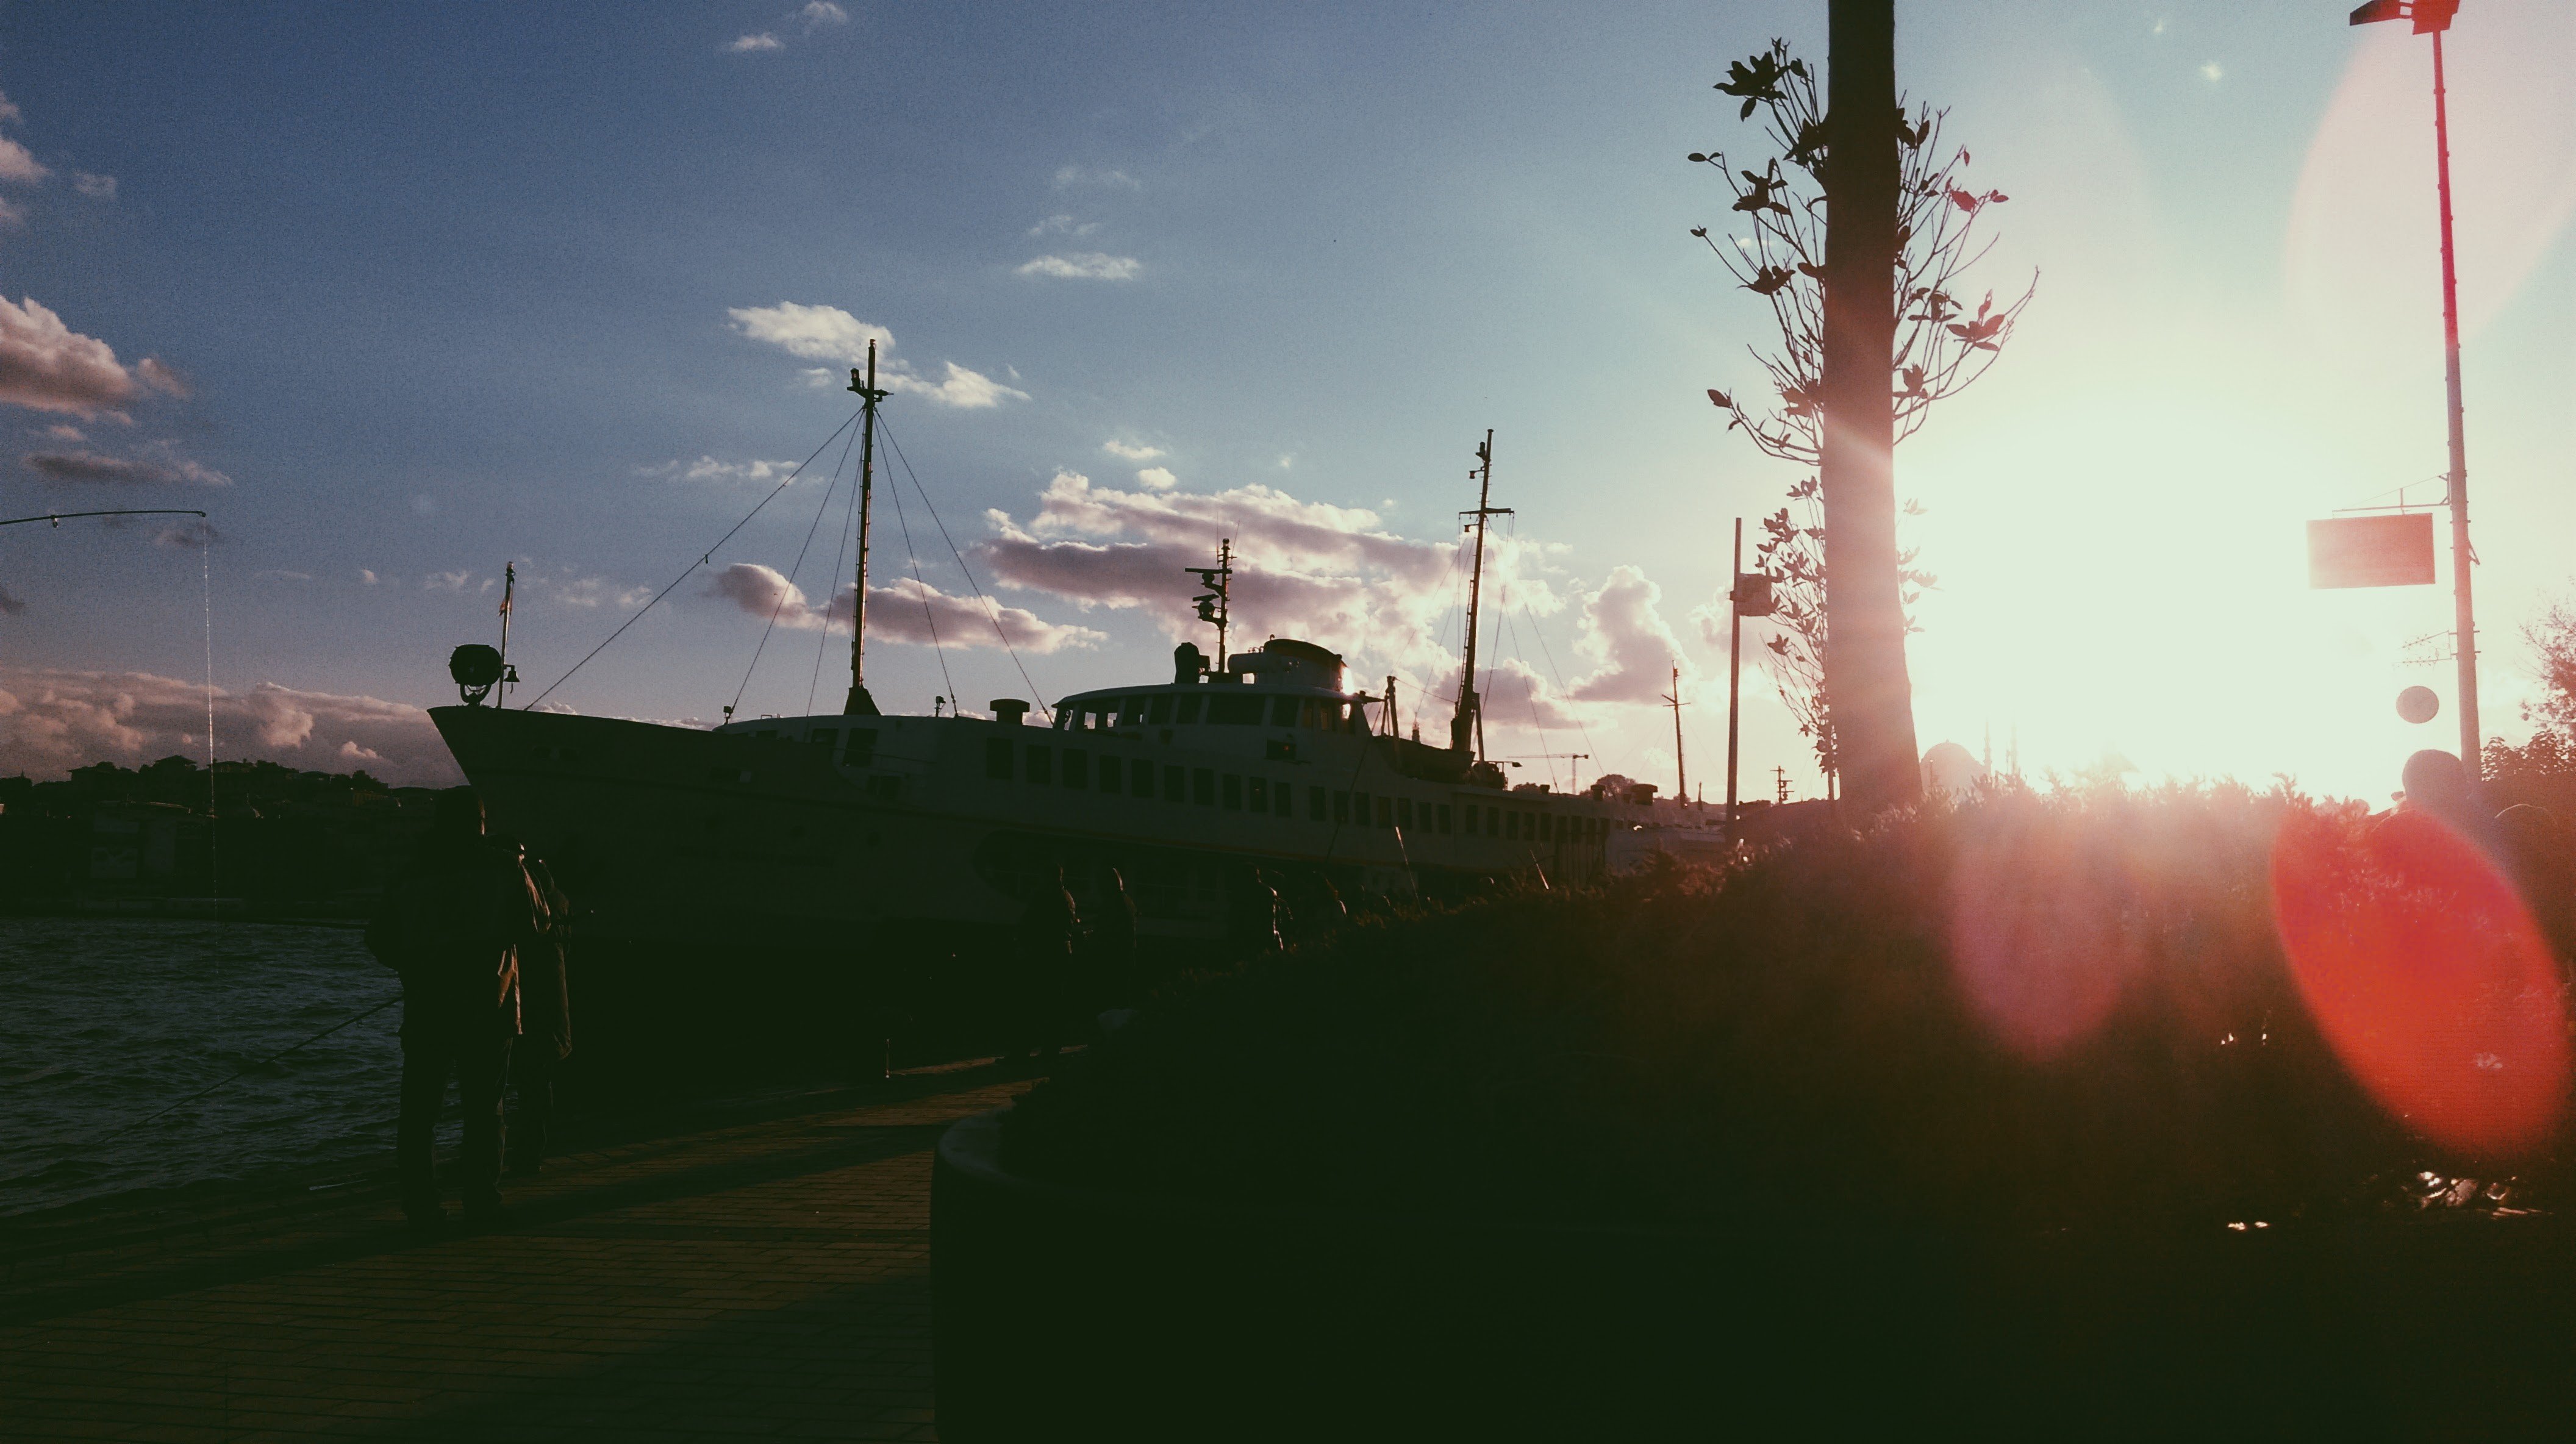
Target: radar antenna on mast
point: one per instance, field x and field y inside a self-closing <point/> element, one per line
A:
<point x="1218" y="581"/>
<point x="860" y="704"/>
<point x="1468" y="723"/>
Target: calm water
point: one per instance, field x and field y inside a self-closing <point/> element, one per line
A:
<point x="103" y="1022"/>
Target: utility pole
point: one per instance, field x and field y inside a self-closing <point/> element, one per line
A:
<point x="1468" y="722"/>
<point x="2433" y="17"/>
<point x="1681" y="773"/>
<point x="860" y="704"/>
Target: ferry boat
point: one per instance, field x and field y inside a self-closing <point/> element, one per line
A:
<point x="1242" y="775"/>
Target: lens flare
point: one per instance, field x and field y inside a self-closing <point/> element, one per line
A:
<point x="2425" y="973"/>
<point x="2036" y="941"/>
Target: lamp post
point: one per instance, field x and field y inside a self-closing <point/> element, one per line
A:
<point x="2433" y="17"/>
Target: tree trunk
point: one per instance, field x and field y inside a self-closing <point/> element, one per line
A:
<point x="1865" y="678"/>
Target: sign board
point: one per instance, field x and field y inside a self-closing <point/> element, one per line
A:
<point x="2372" y="551"/>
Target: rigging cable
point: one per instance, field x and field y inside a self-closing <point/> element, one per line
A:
<point x="705" y="558"/>
<point x="790" y="589"/>
<point x="823" y="642"/>
<point x="923" y="588"/>
<point x="992" y="609"/>
<point x="1544" y="650"/>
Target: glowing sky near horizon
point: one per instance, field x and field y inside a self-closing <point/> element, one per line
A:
<point x="444" y="295"/>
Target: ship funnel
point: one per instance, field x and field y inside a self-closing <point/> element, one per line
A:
<point x="1009" y="710"/>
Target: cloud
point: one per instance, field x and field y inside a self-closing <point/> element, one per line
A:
<point x="1159" y="478"/>
<point x="65" y="433"/>
<point x="707" y="468"/>
<point x="1084" y="266"/>
<point x="188" y="535"/>
<point x="11" y="604"/>
<point x="166" y="467"/>
<point x="151" y="372"/>
<point x="279" y="575"/>
<point x="446" y="581"/>
<point x="961" y="388"/>
<point x="367" y="578"/>
<point x="588" y="593"/>
<point x="9" y="109"/>
<point x="12" y="216"/>
<point x="1633" y="649"/>
<point x="16" y="164"/>
<point x="1075" y="175"/>
<point x="96" y="187"/>
<point x="1325" y="573"/>
<point x="47" y="366"/>
<point x="1063" y="226"/>
<point x="906" y="611"/>
<point x="817" y="333"/>
<point x="53" y="720"/>
<point x="820" y="333"/>
<point x="823" y="12"/>
<point x="1130" y="451"/>
<point x="754" y="44"/>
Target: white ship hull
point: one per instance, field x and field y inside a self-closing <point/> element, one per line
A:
<point x="836" y="832"/>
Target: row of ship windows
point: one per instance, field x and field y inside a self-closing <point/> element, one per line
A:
<point x="863" y="743"/>
<point x="1005" y="761"/>
<point x="1219" y="706"/>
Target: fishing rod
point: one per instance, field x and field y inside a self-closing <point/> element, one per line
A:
<point x="59" y="517"/>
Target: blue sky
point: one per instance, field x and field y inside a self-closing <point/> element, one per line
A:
<point x="450" y="287"/>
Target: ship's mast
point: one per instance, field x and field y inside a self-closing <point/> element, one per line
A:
<point x="1469" y="720"/>
<point x="860" y="704"/>
<point x="1218" y="581"/>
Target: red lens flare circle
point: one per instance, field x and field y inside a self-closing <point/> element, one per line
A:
<point x="2425" y="973"/>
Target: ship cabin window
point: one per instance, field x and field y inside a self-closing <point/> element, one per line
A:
<point x="1546" y="828"/>
<point x="1318" y="807"/>
<point x="997" y="758"/>
<point x="1141" y="777"/>
<point x="1203" y="786"/>
<point x="1386" y="812"/>
<point x="1158" y="709"/>
<point x="1236" y="709"/>
<point x="1172" y="788"/>
<point x="1511" y="827"/>
<point x="1341" y="808"/>
<point x="1493" y="822"/>
<point x="1283" y="711"/>
<point x="1404" y="813"/>
<point x="1042" y="764"/>
<point x="862" y="751"/>
<point x="1077" y="767"/>
<point x="826" y="738"/>
<point x="1188" y="711"/>
<point x="1444" y="817"/>
<point x="1233" y="793"/>
<point x="1283" y="799"/>
<point x="1257" y="790"/>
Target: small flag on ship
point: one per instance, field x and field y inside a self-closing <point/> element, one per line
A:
<point x="509" y="584"/>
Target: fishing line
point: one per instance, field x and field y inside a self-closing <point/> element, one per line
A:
<point x="206" y="593"/>
<point x="705" y="558"/>
<point x="243" y="1072"/>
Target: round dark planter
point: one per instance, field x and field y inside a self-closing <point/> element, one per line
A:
<point x="1072" y="1313"/>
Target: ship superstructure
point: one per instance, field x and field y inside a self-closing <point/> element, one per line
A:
<point x="1253" y="771"/>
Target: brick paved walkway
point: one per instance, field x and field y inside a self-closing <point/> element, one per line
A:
<point x="767" y="1278"/>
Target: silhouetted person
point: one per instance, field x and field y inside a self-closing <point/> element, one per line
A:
<point x="545" y="992"/>
<point x="1254" y="915"/>
<point x="452" y="925"/>
<point x="2437" y="785"/>
<point x="1117" y="979"/>
<point x="1043" y="954"/>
